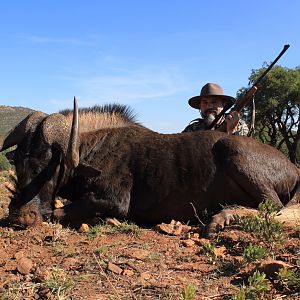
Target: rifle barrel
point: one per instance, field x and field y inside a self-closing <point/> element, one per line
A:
<point x="272" y="64"/>
<point x="240" y="104"/>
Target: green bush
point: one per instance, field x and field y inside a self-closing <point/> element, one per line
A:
<point x="253" y="252"/>
<point x="4" y="164"/>
<point x="257" y="286"/>
<point x="264" y="226"/>
<point x="289" y="279"/>
<point x="188" y="292"/>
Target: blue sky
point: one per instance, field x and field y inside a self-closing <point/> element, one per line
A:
<point x="152" y="55"/>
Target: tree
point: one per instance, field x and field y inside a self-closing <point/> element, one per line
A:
<point x="277" y="109"/>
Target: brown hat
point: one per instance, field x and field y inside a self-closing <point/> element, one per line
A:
<point x="210" y="90"/>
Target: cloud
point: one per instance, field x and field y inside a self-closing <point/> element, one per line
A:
<point x="49" y="40"/>
<point x="131" y="86"/>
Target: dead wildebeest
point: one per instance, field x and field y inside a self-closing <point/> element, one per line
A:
<point x="128" y="171"/>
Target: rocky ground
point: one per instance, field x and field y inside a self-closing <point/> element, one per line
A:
<point x="124" y="261"/>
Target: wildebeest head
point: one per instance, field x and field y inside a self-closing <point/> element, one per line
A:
<point x="47" y="150"/>
<point x="44" y="147"/>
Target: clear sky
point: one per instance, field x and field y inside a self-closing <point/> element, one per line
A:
<point x="150" y="54"/>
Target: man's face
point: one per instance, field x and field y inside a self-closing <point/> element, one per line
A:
<point x="211" y="107"/>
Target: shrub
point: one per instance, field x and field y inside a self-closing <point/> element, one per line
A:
<point x="289" y="279"/>
<point x="4" y="164"/>
<point x="188" y="292"/>
<point x="253" y="252"/>
<point x="257" y="286"/>
<point x="209" y="250"/>
<point x="264" y="226"/>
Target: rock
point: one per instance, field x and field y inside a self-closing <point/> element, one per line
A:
<point x="174" y="228"/>
<point x="114" y="268"/>
<point x="188" y="243"/>
<point x="139" y="254"/>
<point x="186" y="228"/>
<point x="220" y="251"/>
<point x="83" y="228"/>
<point x="128" y="273"/>
<point x="289" y="216"/>
<point x="19" y="255"/>
<point x="42" y="274"/>
<point x="195" y="235"/>
<point x="58" y="204"/>
<point x="271" y="267"/>
<point x="24" y="265"/>
<point x="145" y="276"/>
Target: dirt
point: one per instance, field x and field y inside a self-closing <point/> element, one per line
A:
<point x="128" y="262"/>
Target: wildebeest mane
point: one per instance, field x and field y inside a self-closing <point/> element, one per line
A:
<point x="106" y="116"/>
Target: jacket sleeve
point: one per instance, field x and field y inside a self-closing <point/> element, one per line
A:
<point x="188" y="129"/>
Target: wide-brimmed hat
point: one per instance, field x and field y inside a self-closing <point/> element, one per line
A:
<point x="211" y="90"/>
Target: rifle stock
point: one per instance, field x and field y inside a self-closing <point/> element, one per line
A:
<point x="243" y="101"/>
<point x="239" y="105"/>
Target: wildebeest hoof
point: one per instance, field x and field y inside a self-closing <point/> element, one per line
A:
<point x="219" y="221"/>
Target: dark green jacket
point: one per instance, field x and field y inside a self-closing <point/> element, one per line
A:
<point x="198" y="124"/>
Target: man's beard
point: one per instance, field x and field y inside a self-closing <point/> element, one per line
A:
<point x="209" y="116"/>
<point x="208" y="119"/>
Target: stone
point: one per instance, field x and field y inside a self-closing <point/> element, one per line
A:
<point x="18" y="255"/>
<point x="145" y="276"/>
<point x="271" y="267"/>
<point x="24" y="265"/>
<point x="220" y="251"/>
<point x="188" y="243"/>
<point x="173" y="228"/>
<point x="83" y="228"/>
<point x="128" y="273"/>
<point x="58" y="204"/>
<point x="139" y="254"/>
<point x="114" y="268"/>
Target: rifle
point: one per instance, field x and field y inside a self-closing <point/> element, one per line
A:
<point x="243" y="101"/>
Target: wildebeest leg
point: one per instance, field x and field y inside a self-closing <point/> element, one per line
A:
<point x="296" y="197"/>
<point x="259" y="177"/>
<point x="288" y="216"/>
<point x="226" y="216"/>
<point x="89" y="207"/>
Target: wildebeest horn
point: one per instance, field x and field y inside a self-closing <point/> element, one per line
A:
<point x="56" y="130"/>
<point x="72" y="158"/>
<point x="16" y="135"/>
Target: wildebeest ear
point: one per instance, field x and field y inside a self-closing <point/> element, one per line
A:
<point x="87" y="170"/>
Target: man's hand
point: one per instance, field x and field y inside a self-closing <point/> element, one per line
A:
<point x="232" y="121"/>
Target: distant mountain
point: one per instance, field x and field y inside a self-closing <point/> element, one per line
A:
<point x="11" y="116"/>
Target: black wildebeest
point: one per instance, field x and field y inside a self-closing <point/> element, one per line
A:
<point x="129" y="171"/>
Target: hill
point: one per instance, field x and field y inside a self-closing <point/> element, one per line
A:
<point x="10" y="116"/>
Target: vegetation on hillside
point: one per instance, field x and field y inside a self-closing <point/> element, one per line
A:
<point x="277" y="109"/>
<point x="10" y="116"/>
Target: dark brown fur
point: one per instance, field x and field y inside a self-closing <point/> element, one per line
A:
<point x="134" y="173"/>
<point x="149" y="177"/>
